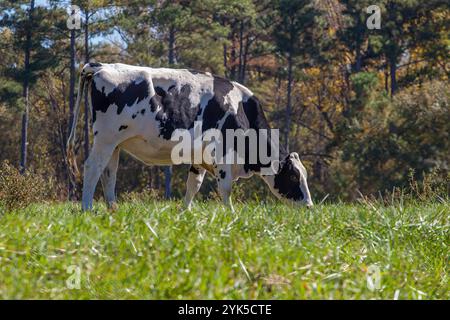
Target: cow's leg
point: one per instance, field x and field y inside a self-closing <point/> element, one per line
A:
<point x="93" y="168"/>
<point x="108" y="179"/>
<point x="194" y="182"/>
<point x="224" y="183"/>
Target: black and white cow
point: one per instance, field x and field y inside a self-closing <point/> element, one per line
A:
<point x="137" y="109"/>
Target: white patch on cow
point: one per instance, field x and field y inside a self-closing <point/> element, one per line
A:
<point x="233" y="98"/>
<point x="200" y="84"/>
<point x="246" y="92"/>
<point x="303" y="178"/>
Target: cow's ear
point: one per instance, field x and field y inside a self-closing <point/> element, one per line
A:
<point x="294" y="155"/>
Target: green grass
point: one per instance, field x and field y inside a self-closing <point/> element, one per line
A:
<point x="153" y="250"/>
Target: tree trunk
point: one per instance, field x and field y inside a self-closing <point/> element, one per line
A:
<point x="86" y="103"/>
<point x="225" y="49"/>
<point x="358" y="59"/>
<point x="168" y="180"/>
<point x="168" y="169"/>
<point x="72" y="79"/>
<point x="318" y="148"/>
<point x="386" y="76"/>
<point x="26" y="89"/>
<point x="233" y="57"/>
<point x="172" y="45"/>
<point x="393" y="73"/>
<point x="244" y="66"/>
<point x="289" y="102"/>
<point x="241" y="47"/>
<point x="156" y="180"/>
<point x="71" y="180"/>
<point x="225" y="64"/>
<point x="358" y="63"/>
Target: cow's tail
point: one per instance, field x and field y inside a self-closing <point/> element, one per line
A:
<point x="85" y="77"/>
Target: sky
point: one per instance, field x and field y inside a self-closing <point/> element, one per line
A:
<point x="113" y="38"/>
<point x="41" y="2"/>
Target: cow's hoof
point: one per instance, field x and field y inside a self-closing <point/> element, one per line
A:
<point x="186" y="206"/>
<point x="181" y="208"/>
<point x="86" y="208"/>
<point x="113" y="207"/>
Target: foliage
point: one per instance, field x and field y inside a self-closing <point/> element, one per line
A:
<point x="387" y="139"/>
<point x="434" y="186"/>
<point x="20" y="190"/>
<point x="367" y="107"/>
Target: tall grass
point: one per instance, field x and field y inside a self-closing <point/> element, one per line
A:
<point x="153" y="250"/>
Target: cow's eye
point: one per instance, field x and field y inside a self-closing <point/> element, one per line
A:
<point x="294" y="178"/>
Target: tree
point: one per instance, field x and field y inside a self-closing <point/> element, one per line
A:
<point x="294" y="35"/>
<point x="73" y="35"/>
<point x="355" y="35"/>
<point x="238" y="19"/>
<point x="26" y="88"/>
<point x="406" y="22"/>
<point x="317" y="58"/>
<point x="29" y="37"/>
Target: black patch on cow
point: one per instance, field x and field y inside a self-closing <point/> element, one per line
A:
<point x="255" y="114"/>
<point x="134" y="115"/>
<point x="155" y="102"/>
<point x="123" y="95"/>
<point x="222" y="174"/>
<point x="122" y="128"/>
<point x="160" y="92"/>
<point x="216" y="108"/>
<point x="257" y="120"/>
<point x="194" y="170"/>
<point x="287" y="181"/>
<point x="249" y="116"/>
<point x="212" y="114"/>
<point x="176" y="111"/>
<point x="229" y="123"/>
<point x="143" y="111"/>
<point x="107" y="172"/>
<point x="95" y="133"/>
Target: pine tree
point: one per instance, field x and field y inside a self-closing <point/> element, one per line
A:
<point x="24" y="19"/>
<point x="294" y="36"/>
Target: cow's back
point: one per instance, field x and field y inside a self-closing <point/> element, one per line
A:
<point x="177" y="97"/>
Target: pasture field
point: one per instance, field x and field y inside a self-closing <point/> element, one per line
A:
<point x="152" y="250"/>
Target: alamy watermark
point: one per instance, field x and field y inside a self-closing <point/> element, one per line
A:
<point x="73" y="22"/>
<point x="237" y="146"/>
<point x="373" y="278"/>
<point x="74" y="280"/>
<point x="374" y="20"/>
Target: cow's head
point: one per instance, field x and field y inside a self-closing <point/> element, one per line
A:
<point x="290" y="182"/>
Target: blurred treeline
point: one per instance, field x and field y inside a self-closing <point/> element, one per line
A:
<point x="367" y="110"/>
